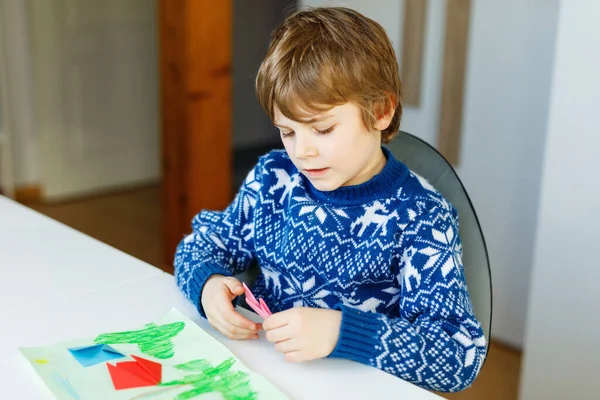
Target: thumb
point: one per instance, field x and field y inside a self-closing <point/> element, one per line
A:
<point x="234" y="286"/>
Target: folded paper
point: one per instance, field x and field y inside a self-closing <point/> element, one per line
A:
<point x="259" y="306"/>
<point x="132" y="374"/>
<point x="95" y="354"/>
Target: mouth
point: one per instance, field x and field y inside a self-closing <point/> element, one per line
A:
<point x="313" y="173"/>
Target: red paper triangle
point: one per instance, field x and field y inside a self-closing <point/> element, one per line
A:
<point x="132" y="374"/>
<point x="153" y="368"/>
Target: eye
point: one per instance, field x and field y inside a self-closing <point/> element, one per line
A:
<point x="326" y="131"/>
<point x="286" y="134"/>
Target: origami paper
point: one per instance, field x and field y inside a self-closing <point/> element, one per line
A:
<point x="259" y="306"/>
<point x="95" y="354"/>
<point x="132" y="374"/>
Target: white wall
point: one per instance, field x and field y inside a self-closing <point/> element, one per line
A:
<point x="508" y="79"/>
<point x="253" y="21"/>
<point x="562" y="352"/>
<point x="24" y="140"/>
<point x="509" y="65"/>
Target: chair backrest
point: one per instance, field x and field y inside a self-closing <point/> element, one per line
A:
<point x="427" y="162"/>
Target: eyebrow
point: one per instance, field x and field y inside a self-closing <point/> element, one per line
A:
<point x="309" y="121"/>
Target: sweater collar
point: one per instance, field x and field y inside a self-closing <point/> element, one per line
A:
<point x="383" y="185"/>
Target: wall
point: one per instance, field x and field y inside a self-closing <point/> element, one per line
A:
<point x="6" y="172"/>
<point x="562" y="352"/>
<point x="253" y="23"/>
<point x="421" y="121"/>
<point x="504" y="123"/>
<point x="24" y="141"/>
<point x="504" y="118"/>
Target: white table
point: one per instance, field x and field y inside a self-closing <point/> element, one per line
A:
<point x="128" y="294"/>
<point x="132" y="304"/>
<point x="42" y="259"/>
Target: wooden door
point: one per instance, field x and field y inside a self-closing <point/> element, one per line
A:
<point x="196" y="78"/>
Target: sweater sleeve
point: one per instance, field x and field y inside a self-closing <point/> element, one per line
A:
<point x="220" y="242"/>
<point x="436" y="342"/>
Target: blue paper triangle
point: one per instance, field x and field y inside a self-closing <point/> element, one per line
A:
<point x="95" y="354"/>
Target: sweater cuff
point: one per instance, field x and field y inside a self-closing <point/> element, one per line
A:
<point x="200" y="275"/>
<point x="358" y="335"/>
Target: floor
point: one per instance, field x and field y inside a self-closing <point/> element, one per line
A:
<point x="131" y="222"/>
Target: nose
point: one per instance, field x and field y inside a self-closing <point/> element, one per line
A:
<point x="304" y="145"/>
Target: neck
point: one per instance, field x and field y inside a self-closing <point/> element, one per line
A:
<point x="375" y="166"/>
<point x="378" y="163"/>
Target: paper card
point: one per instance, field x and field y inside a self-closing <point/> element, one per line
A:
<point x="193" y="364"/>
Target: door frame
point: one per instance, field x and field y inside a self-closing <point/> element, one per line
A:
<point x="195" y="51"/>
<point x="6" y="159"/>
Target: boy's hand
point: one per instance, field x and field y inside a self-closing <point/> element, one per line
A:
<point x="304" y="334"/>
<point x="217" y="296"/>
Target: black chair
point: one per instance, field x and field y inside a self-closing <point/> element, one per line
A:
<point x="427" y="162"/>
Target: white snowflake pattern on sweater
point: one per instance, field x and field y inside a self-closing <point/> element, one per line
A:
<point x="386" y="253"/>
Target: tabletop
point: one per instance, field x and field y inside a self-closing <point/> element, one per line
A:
<point x="132" y="304"/>
<point x="42" y="259"/>
<point x="59" y="284"/>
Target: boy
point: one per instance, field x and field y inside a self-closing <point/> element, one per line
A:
<point x="359" y="257"/>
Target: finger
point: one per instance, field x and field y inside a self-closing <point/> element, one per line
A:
<point x="223" y="318"/>
<point x="219" y="327"/>
<point x="286" y="346"/>
<point x="234" y="286"/>
<point x="232" y="328"/>
<point x="279" y="334"/>
<point x="277" y="320"/>
<point x="234" y="318"/>
<point x="294" y="357"/>
<point x="232" y="333"/>
<point x="237" y="330"/>
<point x="228" y="313"/>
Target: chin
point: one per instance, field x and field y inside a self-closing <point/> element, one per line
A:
<point x="325" y="186"/>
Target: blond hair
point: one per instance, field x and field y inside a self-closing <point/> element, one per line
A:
<point x="322" y="57"/>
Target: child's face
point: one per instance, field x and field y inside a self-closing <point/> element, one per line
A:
<point x="334" y="148"/>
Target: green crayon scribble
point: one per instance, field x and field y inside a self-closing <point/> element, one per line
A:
<point x="232" y="385"/>
<point x="153" y="340"/>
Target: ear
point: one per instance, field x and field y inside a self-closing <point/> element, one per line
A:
<point x="385" y="113"/>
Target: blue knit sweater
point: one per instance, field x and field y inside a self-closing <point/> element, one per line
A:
<point x="386" y="253"/>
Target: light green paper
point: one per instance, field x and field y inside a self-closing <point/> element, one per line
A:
<point x="193" y="350"/>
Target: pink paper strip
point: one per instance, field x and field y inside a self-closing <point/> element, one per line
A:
<point x="260" y="307"/>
